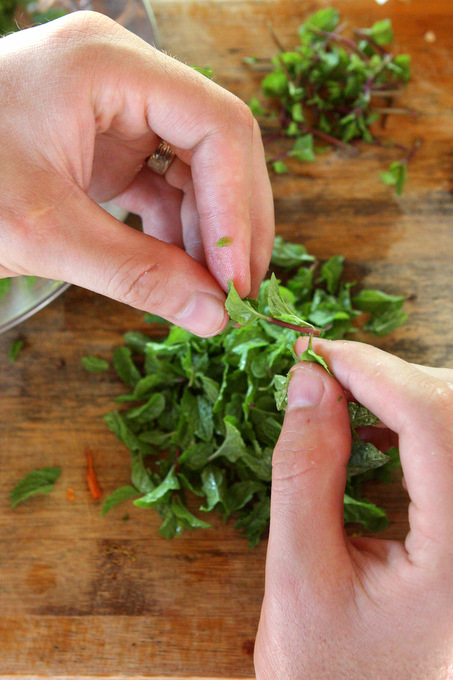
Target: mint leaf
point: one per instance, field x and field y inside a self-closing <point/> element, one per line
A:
<point x="377" y="301"/>
<point x="396" y="176"/>
<point x="364" y="457"/>
<point x="15" y="349"/>
<point x="279" y="308"/>
<point x="170" y="483"/>
<point x="303" y="146"/>
<point x="94" y="364"/>
<point x="242" y="311"/>
<point x="125" y="367"/>
<point x="280" y="167"/>
<point x="310" y="355"/>
<point x="118" y="496"/>
<point x="360" y="416"/>
<point x="382" y="32"/>
<point x="35" y="482"/>
<point x="331" y="272"/>
<point x="364" y="512"/>
<point x="325" y="19"/>
<point x="289" y="255"/>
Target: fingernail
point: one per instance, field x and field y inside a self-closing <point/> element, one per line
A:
<point x="306" y="388"/>
<point x="203" y="315"/>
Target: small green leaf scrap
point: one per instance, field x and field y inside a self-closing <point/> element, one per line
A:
<point x="396" y="176"/>
<point x="224" y="242"/>
<point x="94" y="364"/>
<point x="35" y="482"/>
<point x="15" y="349"/>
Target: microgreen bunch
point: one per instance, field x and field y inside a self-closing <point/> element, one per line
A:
<point x="331" y="88"/>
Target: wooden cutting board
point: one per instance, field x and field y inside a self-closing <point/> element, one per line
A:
<point x="82" y="596"/>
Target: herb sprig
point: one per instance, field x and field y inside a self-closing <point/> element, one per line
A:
<point x="202" y="415"/>
<point x="332" y="89"/>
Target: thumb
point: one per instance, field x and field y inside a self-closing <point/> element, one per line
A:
<point x="309" y="471"/>
<point x="88" y="247"/>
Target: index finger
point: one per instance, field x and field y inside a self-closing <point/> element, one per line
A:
<point x="231" y="182"/>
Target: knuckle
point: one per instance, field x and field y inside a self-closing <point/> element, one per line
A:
<point x="443" y="395"/>
<point x="243" y="114"/>
<point x="140" y="286"/>
<point x="81" y="25"/>
<point x="439" y="394"/>
<point x="290" y="463"/>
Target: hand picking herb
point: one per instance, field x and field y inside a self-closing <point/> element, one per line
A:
<point x="202" y="415"/>
<point x="37" y="481"/>
<point x="332" y="89"/>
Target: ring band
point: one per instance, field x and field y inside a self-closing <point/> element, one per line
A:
<point x="161" y="159"/>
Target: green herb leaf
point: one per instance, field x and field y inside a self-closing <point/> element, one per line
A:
<point x="35" y="482"/>
<point x="376" y="301"/>
<point x="170" y="482"/>
<point x="125" y="367"/>
<point x="327" y="86"/>
<point x="326" y="19"/>
<point x="15" y="348"/>
<point x="303" y="146"/>
<point x="94" y="364"/>
<point x="289" y="255"/>
<point x="256" y="107"/>
<point x="364" y="512"/>
<point x="280" y="168"/>
<point x="310" y="355"/>
<point x="279" y="308"/>
<point x="224" y="242"/>
<point x="242" y="311"/>
<point x="396" y="175"/>
<point x="364" y="457"/>
<point x="360" y="416"/>
<point x="382" y="32"/>
<point x="123" y="493"/>
<point x="331" y="272"/>
<point x="182" y="513"/>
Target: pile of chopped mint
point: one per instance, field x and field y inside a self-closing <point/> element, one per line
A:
<point x="334" y="88"/>
<point x="202" y="415"/>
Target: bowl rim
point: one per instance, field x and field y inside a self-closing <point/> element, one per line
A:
<point x="56" y="292"/>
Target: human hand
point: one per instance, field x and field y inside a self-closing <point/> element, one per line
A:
<point x="359" y="608"/>
<point x="84" y="103"/>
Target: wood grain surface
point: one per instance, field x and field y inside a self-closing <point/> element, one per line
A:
<point x="82" y="596"/>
